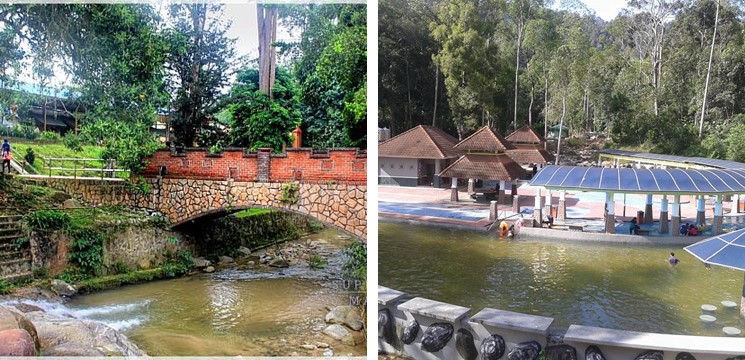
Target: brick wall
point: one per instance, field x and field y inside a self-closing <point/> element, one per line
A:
<point x="339" y="165"/>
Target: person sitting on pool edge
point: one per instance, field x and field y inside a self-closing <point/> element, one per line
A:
<point x="672" y="260"/>
<point x="692" y="230"/>
<point x="633" y="227"/>
<point x="684" y="229"/>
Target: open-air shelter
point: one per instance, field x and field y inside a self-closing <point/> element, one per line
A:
<point x="675" y="183"/>
<point x="485" y="159"/>
<point x="528" y="147"/>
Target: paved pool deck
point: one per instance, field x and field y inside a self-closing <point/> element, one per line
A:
<point x="431" y="206"/>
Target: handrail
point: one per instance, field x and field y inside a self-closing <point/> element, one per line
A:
<point x="107" y="168"/>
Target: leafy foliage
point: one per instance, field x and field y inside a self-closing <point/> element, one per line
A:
<point x="46" y="220"/>
<point x="73" y="142"/>
<point x="30" y="157"/>
<point x="356" y="264"/>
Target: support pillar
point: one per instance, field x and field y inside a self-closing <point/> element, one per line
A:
<point x="513" y="191"/>
<point x="537" y="210"/>
<point x="742" y="301"/>
<point x="493" y="211"/>
<point x="501" y="192"/>
<point x="735" y="204"/>
<point x="562" y="211"/>
<point x="547" y="204"/>
<point x="648" y="219"/>
<point x="516" y="203"/>
<point x="664" y="226"/>
<point x="610" y="215"/>
<point x="454" y="189"/>
<point x="675" y="216"/>
<point x="437" y="180"/>
<point x="470" y="186"/>
<point x="701" y="210"/>
<point x="716" y="227"/>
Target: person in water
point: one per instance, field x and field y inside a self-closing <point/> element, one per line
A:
<point x="672" y="260"/>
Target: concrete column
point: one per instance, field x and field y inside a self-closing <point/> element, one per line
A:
<point x="675" y="216"/>
<point x="547" y="204"/>
<point x="664" y="226"/>
<point x="717" y="225"/>
<point x="437" y="181"/>
<point x="493" y="211"/>
<point x="701" y="210"/>
<point x="648" y="210"/>
<point x="616" y="164"/>
<point x="264" y="164"/>
<point x="513" y="191"/>
<point x="735" y="204"/>
<point x="501" y="192"/>
<point x="516" y="203"/>
<point x="537" y="211"/>
<point x="454" y="189"/>
<point x="610" y="216"/>
<point x="562" y="211"/>
<point x="470" y="186"/>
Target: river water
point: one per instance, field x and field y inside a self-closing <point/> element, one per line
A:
<point x="230" y="312"/>
<point x="614" y="286"/>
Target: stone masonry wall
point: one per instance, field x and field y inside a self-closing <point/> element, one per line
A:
<point x="341" y="205"/>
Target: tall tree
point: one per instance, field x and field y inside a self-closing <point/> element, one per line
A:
<point x="199" y="61"/>
<point x="708" y="72"/>
<point x="267" y="21"/>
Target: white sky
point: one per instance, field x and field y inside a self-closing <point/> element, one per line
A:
<point x="605" y="9"/>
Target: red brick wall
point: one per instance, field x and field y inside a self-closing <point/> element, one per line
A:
<point x="342" y="165"/>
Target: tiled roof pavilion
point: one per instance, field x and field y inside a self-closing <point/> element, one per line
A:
<point x="525" y="135"/>
<point x="421" y="142"/>
<point x="485" y="140"/>
<point x="486" y="158"/>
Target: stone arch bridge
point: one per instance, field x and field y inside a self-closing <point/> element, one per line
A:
<point x="329" y="186"/>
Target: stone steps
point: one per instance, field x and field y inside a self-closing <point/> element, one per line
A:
<point x="14" y="267"/>
<point x="17" y="277"/>
<point x="14" y="264"/>
<point x="10" y="254"/>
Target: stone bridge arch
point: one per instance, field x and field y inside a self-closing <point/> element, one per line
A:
<point x="330" y="185"/>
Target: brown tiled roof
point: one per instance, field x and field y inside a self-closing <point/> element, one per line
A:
<point x="530" y="154"/>
<point x="525" y="135"/>
<point x="485" y="167"/>
<point x="484" y="140"/>
<point x="421" y="142"/>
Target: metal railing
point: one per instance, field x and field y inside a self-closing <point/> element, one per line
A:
<point x="82" y="167"/>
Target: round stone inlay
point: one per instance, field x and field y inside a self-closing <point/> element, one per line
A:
<point x="707" y="318"/>
<point x="707" y="307"/>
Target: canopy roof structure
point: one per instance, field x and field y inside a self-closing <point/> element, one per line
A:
<point x="421" y="142"/>
<point x="726" y="250"/>
<point x="484" y="166"/>
<point x="644" y="181"/>
<point x="672" y="160"/>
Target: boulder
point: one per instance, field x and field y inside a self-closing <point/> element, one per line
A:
<point x="340" y="333"/>
<point x="201" y="263"/>
<point x="69" y="336"/>
<point x="209" y="269"/>
<point x="16" y="342"/>
<point x="560" y="352"/>
<point x="411" y="330"/>
<point x="225" y="260"/>
<point x="71" y="204"/>
<point x="279" y="263"/>
<point x="528" y="350"/>
<point x="465" y="345"/>
<point x="244" y="251"/>
<point x="493" y="347"/>
<point x="345" y="315"/>
<point x="62" y="288"/>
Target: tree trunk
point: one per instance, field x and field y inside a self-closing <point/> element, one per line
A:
<point x="517" y="72"/>
<point x="708" y="73"/>
<point x="530" y="107"/>
<point x="267" y="20"/>
<point x="545" y="114"/>
<point x="46" y="99"/>
<point x="408" y="97"/>
<point x="561" y="124"/>
<point x="437" y="86"/>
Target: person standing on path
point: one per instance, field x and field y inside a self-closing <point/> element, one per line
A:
<point x="672" y="260"/>
<point x="6" y="154"/>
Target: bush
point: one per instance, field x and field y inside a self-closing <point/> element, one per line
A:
<point x="74" y="142"/>
<point x="50" y="135"/>
<point x="356" y="264"/>
<point x="72" y="275"/>
<point x="86" y="250"/>
<point x="46" y="220"/>
<point x="30" y="156"/>
<point x="5" y="287"/>
<point x="24" y="131"/>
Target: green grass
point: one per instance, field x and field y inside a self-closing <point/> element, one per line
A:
<point x="49" y="149"/>
<point x="251" y="212"/>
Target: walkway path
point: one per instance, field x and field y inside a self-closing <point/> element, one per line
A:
<point x="426" y="204"/>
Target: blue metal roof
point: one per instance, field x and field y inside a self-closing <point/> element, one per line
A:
<point x="646" y="181"/>
<point x="724" y="250"/>
<point x="714" y="163"/>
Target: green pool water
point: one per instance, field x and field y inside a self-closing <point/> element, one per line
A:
<point x="614" y="286"/>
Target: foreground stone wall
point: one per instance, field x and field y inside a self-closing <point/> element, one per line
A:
<point x="136" y="245"/>
<point x="427" y="329"/>
<point x="340" y="205"/>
